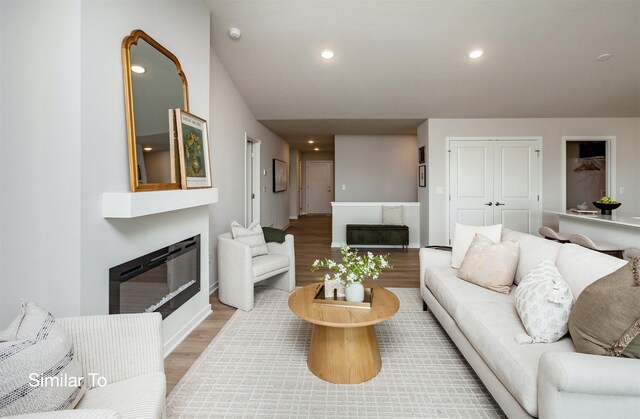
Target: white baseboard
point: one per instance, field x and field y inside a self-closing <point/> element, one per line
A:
<point x="286" y="226"/>
<point x="213" y="287"/>
<point x="294" y="217"/>
<point x="176" y="340"/>
<point x="377" y="246"/>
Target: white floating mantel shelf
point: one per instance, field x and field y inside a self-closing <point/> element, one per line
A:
<point x="138" y="204"/>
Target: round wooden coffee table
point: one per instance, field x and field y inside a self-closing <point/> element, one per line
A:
<point x="343" y="346"/>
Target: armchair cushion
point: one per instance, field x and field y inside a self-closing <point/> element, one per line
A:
<point x="269" y="264"/>
<point x="252" y="236"/>
<point x="137" y="397"/>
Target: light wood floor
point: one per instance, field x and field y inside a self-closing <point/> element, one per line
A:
<point x="313" y="241"/>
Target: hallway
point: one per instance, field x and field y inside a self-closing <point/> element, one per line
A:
<point x="313" y="240"/>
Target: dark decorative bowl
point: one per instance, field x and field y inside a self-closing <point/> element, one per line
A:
<point x="605" y="209"/>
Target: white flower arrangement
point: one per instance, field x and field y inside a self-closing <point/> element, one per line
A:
<point x="354" y="268"/>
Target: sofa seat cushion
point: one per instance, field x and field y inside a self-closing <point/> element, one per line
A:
<point x="136" y="398"/>
<point x="450" y="290"/>
<point x="490" y="328"/>
<point x="580" y="266"/>
<point x="266" y="265"/>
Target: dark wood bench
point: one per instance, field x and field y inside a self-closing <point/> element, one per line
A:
<point x="378" y="234"/>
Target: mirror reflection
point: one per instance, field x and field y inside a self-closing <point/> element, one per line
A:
<point x="157" y="85"/>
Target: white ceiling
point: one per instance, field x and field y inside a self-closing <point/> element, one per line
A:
<point x="408" y="60"/>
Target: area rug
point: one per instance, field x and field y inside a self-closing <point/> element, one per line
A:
<point x="256" y="367"/>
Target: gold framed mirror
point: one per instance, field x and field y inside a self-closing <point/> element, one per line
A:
<point x="154" y="84"/>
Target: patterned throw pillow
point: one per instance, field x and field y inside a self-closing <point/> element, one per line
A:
<point x="252" y="236"/>
<point x="543" y="302"/>
<point x="39" y="370"/>
<point x="492" y="266"/>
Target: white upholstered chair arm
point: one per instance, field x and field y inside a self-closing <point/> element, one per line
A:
<point x="579" y="385"/>
<point x="117" y="346"/>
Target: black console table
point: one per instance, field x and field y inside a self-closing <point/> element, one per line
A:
<point x="378" y="234"/>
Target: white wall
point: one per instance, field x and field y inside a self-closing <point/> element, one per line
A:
<point x="423" y="193"/>
<point x="376" y="168"/>
<point x="230" y="118"/>
<point x="40" y="156"/>
<point x="626" y="131"/>
<point x="57" y="247"/>
<point x="183" y="28"/>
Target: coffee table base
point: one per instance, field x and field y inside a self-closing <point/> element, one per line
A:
<point x="347" y="355"/>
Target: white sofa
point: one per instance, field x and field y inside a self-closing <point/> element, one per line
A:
<point x="547" y="380"/>
<point x="125" y="349"/>
<point x="238" y="272"/>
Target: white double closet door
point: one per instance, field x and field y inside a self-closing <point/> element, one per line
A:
<point x="494" y="182"/>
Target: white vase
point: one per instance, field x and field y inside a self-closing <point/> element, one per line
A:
<point x="355" y="292"/>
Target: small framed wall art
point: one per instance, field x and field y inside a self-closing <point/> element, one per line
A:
<point x="280" y="175"/>
<point x="422" y="176"/>
<point x="193" y="149"/>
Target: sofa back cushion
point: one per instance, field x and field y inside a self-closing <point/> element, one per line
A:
<point x="580" y="266"/>
<point x="533" y="250"/>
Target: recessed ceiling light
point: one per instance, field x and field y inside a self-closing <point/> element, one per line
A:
<point x="603" y="57"/>
<point x="327" y="54"/>
<point x="311" y="141"/>
<point x="148" y="148"/>
<point x="476" y="53"/>
<point x="316" y="149"/>
<point x="138" y="69"/>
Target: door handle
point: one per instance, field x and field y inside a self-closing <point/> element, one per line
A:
<point x="498" y="204"/>
<point x="489" y="204"/>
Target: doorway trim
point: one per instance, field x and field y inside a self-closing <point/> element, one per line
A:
<point x="256" y="178"/>
<point x="611" y="162"/>
<point x="447" y="191"/>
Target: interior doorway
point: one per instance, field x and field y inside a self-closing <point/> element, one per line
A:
<point x="587" y="171"/>
<point x="319" y="186"/>
<point x="252" y="180"/>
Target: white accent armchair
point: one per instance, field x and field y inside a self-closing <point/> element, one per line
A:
<point x="238" y="272"/>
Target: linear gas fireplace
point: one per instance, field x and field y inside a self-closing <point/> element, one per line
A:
<point x="160" y="281"/>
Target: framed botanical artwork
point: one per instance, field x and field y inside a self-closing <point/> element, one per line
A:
<point x="193" y="150"/>
<point x="422" y="158"/>
<point x="422" y="176"/>
<point x="280" y="175"/>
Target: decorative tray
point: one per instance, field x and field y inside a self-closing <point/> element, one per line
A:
<point x="341" y="302"/>
<point x="578" y="211"/>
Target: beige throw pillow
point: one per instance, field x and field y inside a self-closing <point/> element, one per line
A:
<point x="392" y="215"/>
<point x="463" y="236"/>
<point x="252" y="236"/>
<point x="492" y="266"/>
